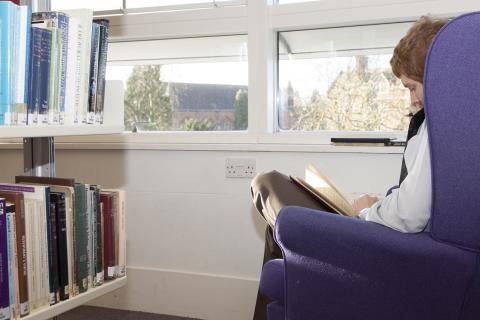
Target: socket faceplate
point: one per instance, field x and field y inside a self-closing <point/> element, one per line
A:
<point x="240" y="168"/>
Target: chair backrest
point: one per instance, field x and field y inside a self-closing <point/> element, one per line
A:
<point x="452" y="106"/>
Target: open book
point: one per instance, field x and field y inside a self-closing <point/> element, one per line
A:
<point x="316" y="184"/>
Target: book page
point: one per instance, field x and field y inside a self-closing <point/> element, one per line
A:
<point x="328" y="191"/>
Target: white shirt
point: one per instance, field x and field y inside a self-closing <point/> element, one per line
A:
<point x="408" y="208"/>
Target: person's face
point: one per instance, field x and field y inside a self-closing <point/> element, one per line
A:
<point x="416" y="93"/>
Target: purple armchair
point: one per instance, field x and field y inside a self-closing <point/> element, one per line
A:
<point x="341" y="268"/>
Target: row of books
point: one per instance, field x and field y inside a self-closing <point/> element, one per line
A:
<point x="58" y="238"/>
<point x="52" y="66"/>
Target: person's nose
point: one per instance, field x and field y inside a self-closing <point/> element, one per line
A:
<point x="414" y="99"/>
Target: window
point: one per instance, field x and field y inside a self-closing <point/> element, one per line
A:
<point x="151" y="5"/>
<point x="91" y="4"/>
<point x="172" y="3"/>
<point x="294" y="1"/>
<point x="339" y="79"/>
<point x="190" y="84"/>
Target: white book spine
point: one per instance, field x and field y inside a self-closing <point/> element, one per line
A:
<point x="44" y="254"/>
<point x="84" y="17"/>
<point x="30" y="238"/>
<point x="72" y="82"/>
<point x="79" y="98"/>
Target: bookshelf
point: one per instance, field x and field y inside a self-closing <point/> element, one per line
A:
<point x="39" y="160"/>
<point x="44" y="88"/>
<point x="64" y="306"/>
<point x="57" y="130"/>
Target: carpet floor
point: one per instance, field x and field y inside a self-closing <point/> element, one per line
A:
<point x="97" y="313"/>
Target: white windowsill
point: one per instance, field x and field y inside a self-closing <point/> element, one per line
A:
<point x="205" y="141"/>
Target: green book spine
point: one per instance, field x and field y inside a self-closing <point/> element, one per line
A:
<point x="97" y="240"/>
<point x="55" y="77"/>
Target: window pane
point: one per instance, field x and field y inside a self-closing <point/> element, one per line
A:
<point x="340" y="79"/>
<point x="194" y="84"/>
<point x="294" y="1"/>
<point x="159" y="3"/>
<point x="91" y="4"/>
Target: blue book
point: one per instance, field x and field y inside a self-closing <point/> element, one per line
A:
<point x="4" y="285"/>
<point x="7" y="10"/>
<point x="61" y="21"/>
<point x="27" y="60"/>
<point x="39" y="76"/>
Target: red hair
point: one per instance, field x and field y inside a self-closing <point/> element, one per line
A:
<point x="410" y="53"/>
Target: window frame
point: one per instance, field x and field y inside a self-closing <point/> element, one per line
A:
<point x="260" y="20"/>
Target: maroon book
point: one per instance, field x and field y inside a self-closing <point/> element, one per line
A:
<point x="106" y="205"/>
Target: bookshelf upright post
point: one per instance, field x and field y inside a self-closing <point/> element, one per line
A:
<point x="39" y="156"/>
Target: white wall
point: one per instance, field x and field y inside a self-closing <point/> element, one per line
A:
<point x="195" y="243"/>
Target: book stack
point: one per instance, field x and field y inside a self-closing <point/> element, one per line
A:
<point x="52" y="66"/>
<point x="58" y="239"/>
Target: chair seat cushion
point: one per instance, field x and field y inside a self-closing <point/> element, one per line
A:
<point x="272" y="282"/>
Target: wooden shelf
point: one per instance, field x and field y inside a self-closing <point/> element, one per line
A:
<point x="57" y="130"/>
<point x="61" y="307"/>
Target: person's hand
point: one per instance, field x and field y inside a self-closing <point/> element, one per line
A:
<point x="364" y="201"/>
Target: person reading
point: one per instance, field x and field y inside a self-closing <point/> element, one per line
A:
<point x="406" y="207"/>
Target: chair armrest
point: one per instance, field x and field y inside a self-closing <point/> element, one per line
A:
<point x="354" y="269"/>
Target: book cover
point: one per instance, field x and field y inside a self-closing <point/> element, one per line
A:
<point x="23" y="64"/>
<point x="98" y="239"/>
<point x="81" y="241"/>
<point x="60" y="21"/>
<point x="52" y="114"/>
<point x="15" y="75"/>
<point x="120" y="232"/>
<point x="106" y="200"/>
<point x="72" y="90"/>
<point x="94" y="54"/>
<point x="318" y="186"/>
<point x="6" y="44"/>
<point x="54" y="77"/>
<point x="33" y="83"/>
<point x="54" y="181"/>
<point x="12" y="260"/>
<point x="83" y="19"/>
<point x="4" y="285"/>
<point x="21" y="248"/>
<point x="35" y="199"/>
<point x="89" y="226"/>
<point x="53" y="273"/>
<point x="39" y="76"/>
<point x="95" y="254"/>
<point x="65" y="186"/>
<point x="60" y="212"/>
<point x="17" y="308"/>
<point x="102" y="68"/>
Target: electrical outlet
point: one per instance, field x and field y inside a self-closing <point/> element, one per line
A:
<point x="240" y="168"/>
